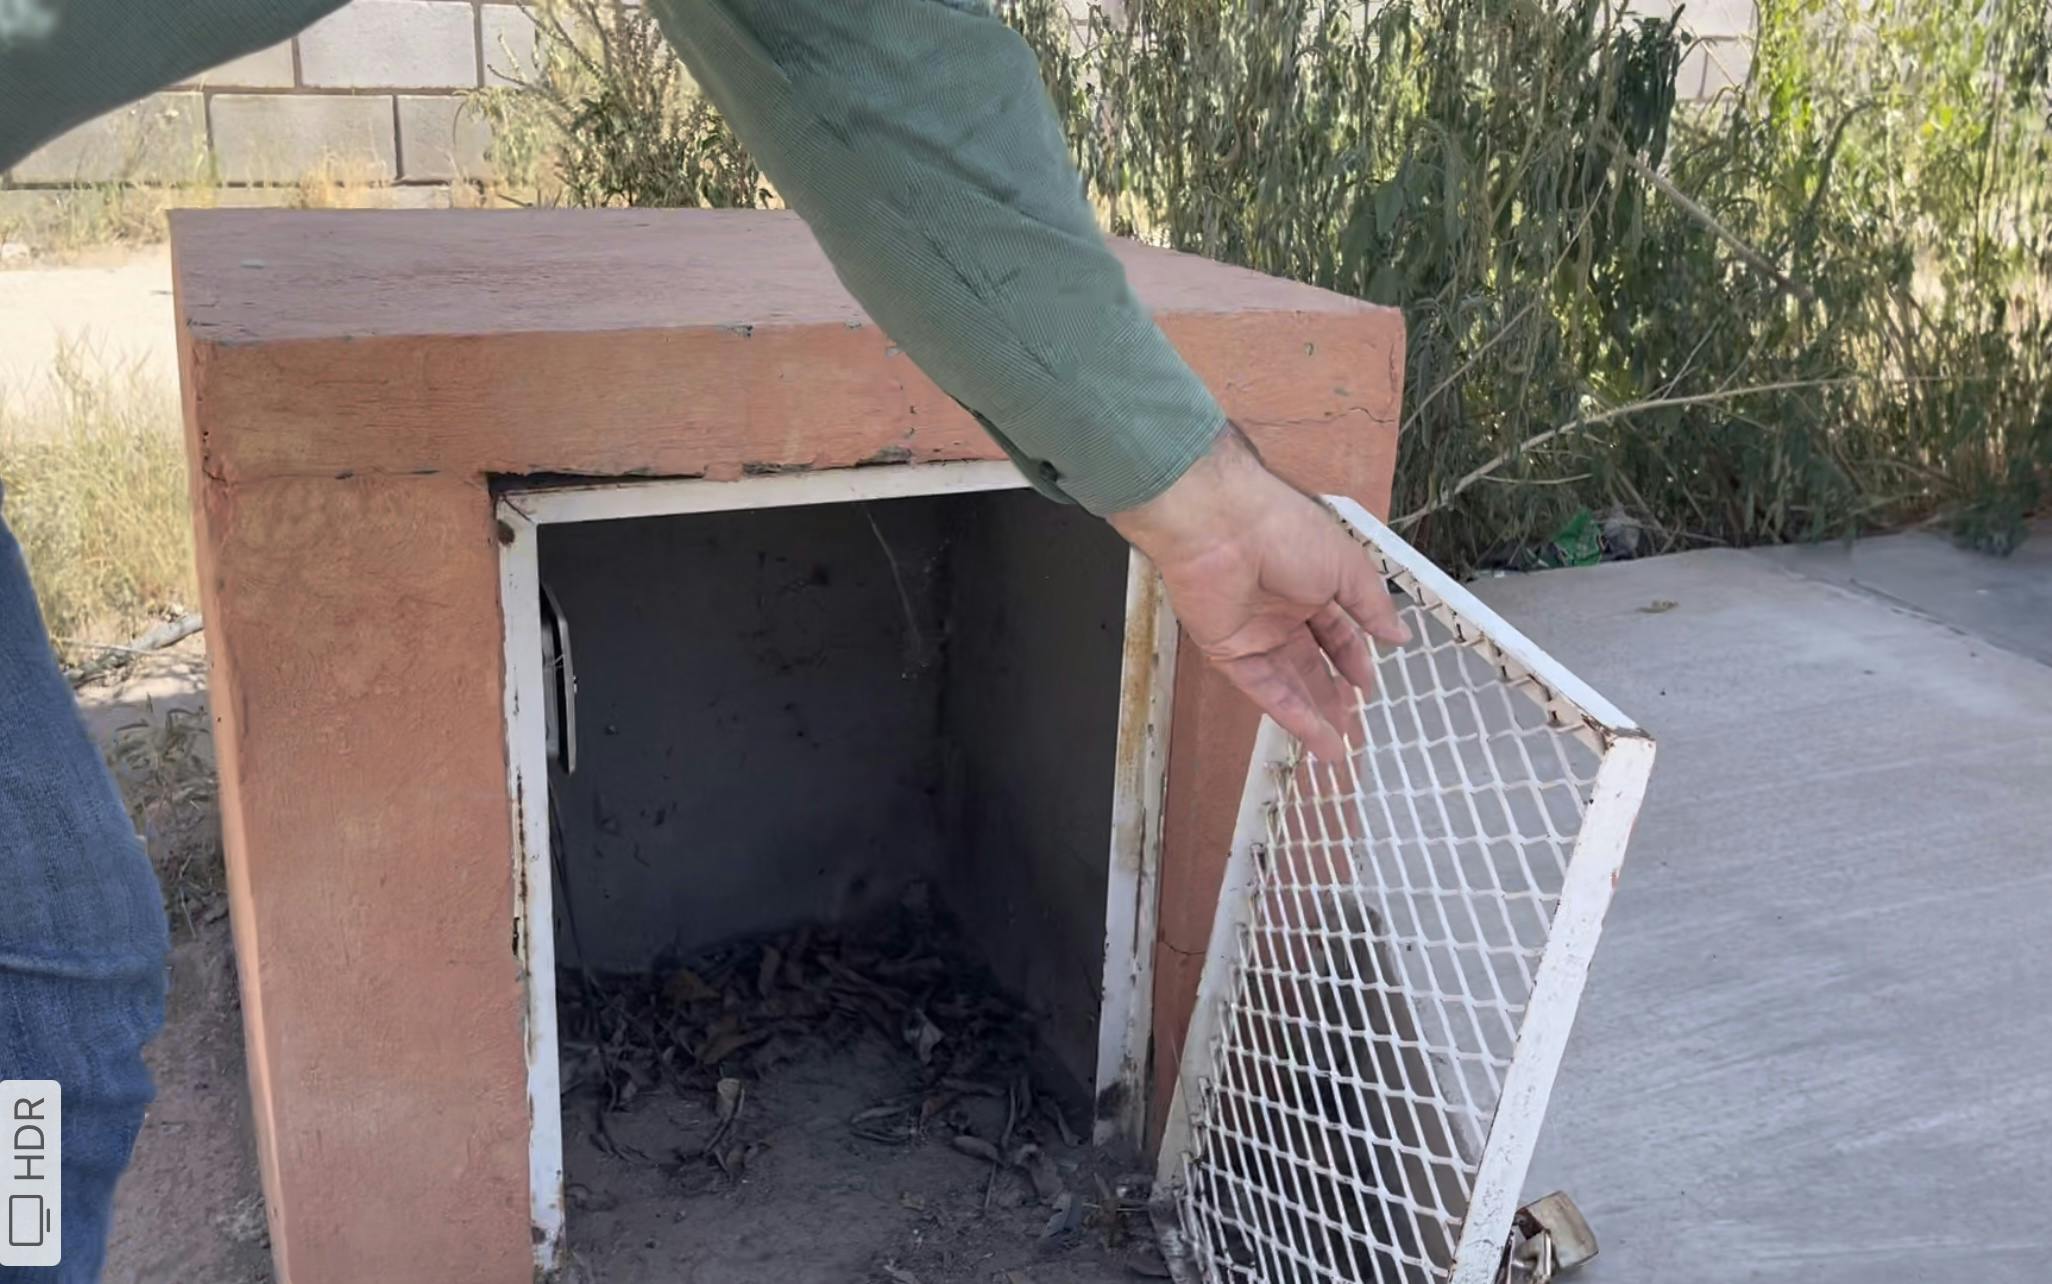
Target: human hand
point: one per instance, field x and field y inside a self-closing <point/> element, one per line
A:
<point x="1269" y="585"/>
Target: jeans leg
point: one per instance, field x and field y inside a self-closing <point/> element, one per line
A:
<point x="82" y="929"/>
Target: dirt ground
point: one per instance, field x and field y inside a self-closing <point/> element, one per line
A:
<point x="114" y="304"/>
<point x="818" y="1204"/>
<point x="808" y="1202"/>
<point x="834" y="1103"/>
<point x="814" y="1205"/>
<point x="190" y="1210"/>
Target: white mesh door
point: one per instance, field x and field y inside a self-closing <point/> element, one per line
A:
<point x="1400" y="946"/>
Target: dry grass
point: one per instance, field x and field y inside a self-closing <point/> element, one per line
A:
<point x="62" y="221"/>
<point x="69" y="222"/>
<point x="72" y="220"/>
<point x="338" y="183"/>
<point x="164" y="765"/>
<point x="96" y="493"/>
<point x="61" y="224"/>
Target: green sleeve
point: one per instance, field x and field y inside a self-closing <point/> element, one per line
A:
<point x="917" y="140"/>
<point x="63" y="62"/>
<point x="913" y="135"/>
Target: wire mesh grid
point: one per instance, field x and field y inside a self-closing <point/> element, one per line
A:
<point x="1393" y="914"/>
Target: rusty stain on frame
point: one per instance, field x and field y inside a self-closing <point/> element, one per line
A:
<point x="534" y="941"/>
<point x="1133" y="874"/>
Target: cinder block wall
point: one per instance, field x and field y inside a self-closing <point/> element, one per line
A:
<point x="1724" y="52"/>
<point x="373" y="94"/>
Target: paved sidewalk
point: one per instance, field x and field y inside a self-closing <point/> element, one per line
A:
<point x="1817" y="1041"/>
<point x="2007" y="600"/>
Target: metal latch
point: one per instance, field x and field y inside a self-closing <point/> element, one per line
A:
<point x="1549" y="1238"/>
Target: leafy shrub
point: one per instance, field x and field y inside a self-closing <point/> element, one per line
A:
<point x="605" y="114"/>
<point x="1820" y="305"/>
<point x="1817" y="306"/>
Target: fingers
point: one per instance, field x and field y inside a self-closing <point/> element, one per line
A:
<point x="1366" y="598"/>
<point x="1341" y="638"/>
<point x="1292" y="685"/>
<point x="1305" y="660"/>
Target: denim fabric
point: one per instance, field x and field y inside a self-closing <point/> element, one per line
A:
<point x="82" y="931"/>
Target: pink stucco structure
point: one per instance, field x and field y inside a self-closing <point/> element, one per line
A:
<point x="352" y="383"/>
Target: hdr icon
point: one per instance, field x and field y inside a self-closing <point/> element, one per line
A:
<point x="31" y="1160"/>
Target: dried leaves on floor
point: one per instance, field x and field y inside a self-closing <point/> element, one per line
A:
<point x="740" y="1009"/>
<point x="713" y="1026"/>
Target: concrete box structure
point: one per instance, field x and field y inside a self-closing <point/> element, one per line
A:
<point x="382" y="408"/>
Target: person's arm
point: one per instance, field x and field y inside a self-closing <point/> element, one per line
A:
<point x="63" y="62"/>
<point x="916" y="139"/>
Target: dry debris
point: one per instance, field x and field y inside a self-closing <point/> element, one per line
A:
<point x="727" y="1017"/>
<point x="713" y="1026"/>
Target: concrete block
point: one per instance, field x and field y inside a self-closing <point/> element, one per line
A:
<point x="265" y="69"/>
<point x="1726" y="65"/>
<point x="440" y="139"/>
<point x="1722" y="19"/>
<point x="1688" y="79"/>
<point x="413" y="196"/>
<point x="508" y="37"/>
<point x="256" y="198"/>
<point x="392" y="44"/>
<point x="421" y="196"/>
<point x="1713" y="67"/>
<point x="2007" y="600"/>
<point x="1717" y="19"/>
<point x="279" y="138"/>
<point x="162" y="139"/>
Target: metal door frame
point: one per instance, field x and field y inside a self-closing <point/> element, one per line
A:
<point x="1625" y="762"/>
<point x="1146" y="694"/>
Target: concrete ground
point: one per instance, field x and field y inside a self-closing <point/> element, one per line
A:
<point x="1817" y="1040"/>
<point x="2007" y="600"/>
